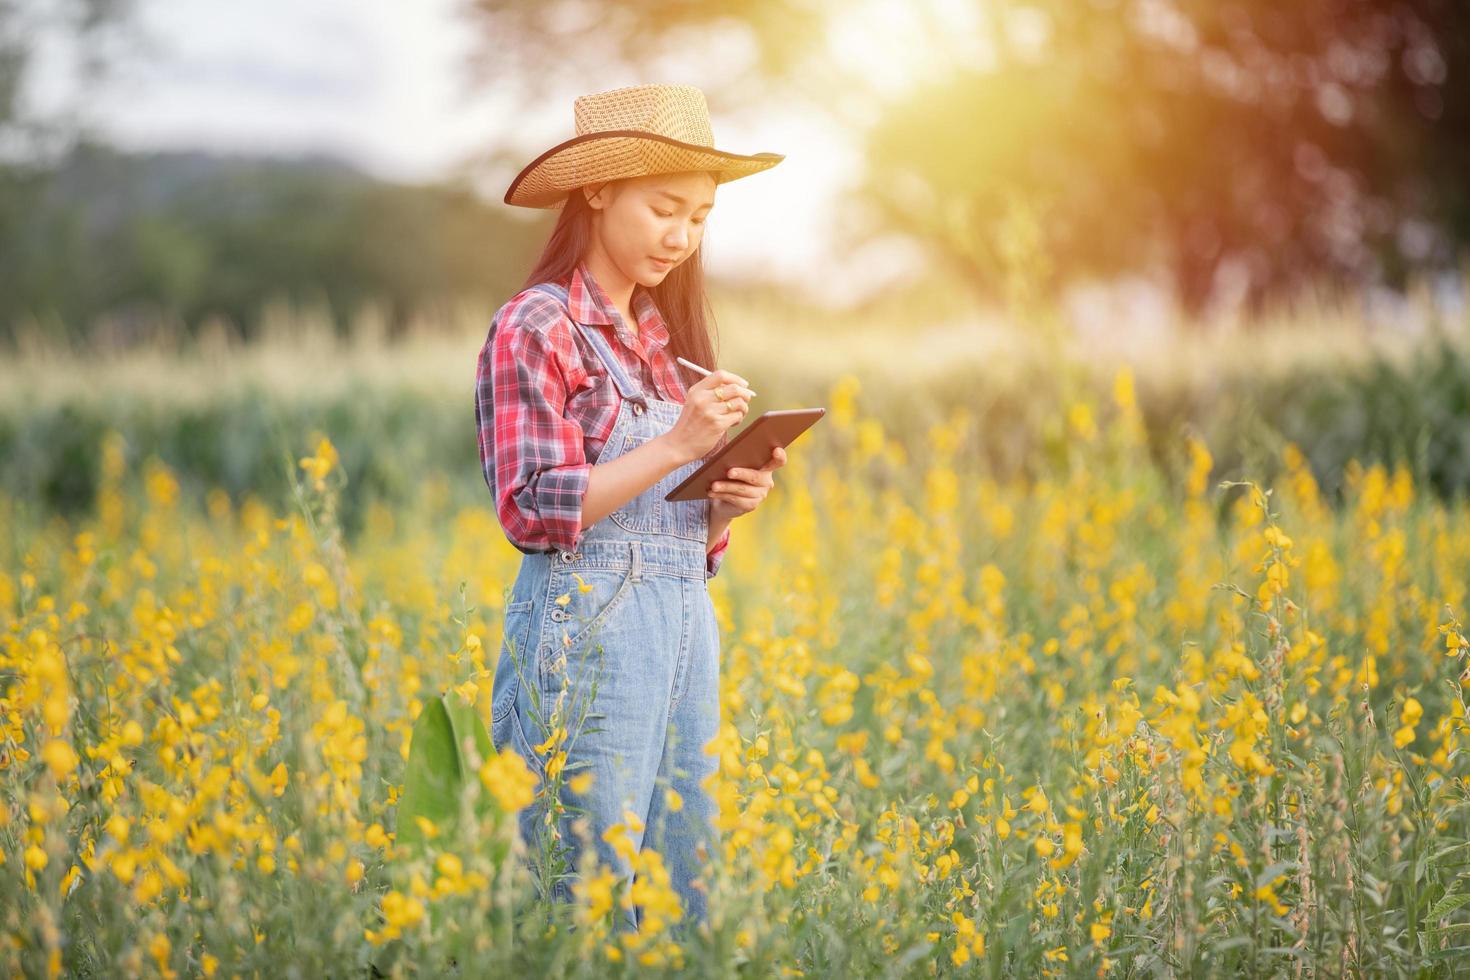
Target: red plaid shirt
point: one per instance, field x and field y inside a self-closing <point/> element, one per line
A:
<point x="545" y="405"/>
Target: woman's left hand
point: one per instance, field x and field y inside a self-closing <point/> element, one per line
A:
<point x="743" y="490"/>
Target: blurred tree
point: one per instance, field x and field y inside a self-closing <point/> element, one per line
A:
<point x="1240" y="147"/>
<point x="533" y="44"/>
<point x="29" y="133"/>
<point x="1243" y="147"/>
<point x="34" y="138"/>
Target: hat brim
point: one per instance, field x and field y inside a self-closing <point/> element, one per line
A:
<point x="591" y="158"/>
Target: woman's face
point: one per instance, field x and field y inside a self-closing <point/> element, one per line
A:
<point x="644" y="219"/>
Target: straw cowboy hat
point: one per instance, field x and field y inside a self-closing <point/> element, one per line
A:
<point x="631" y="132"/>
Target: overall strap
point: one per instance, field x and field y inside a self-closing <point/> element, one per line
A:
<point x="625" y="384"/>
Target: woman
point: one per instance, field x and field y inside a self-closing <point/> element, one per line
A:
<point x="611" y="650"/>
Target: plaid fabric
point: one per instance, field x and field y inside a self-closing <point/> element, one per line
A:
<point x="545" y="405"/>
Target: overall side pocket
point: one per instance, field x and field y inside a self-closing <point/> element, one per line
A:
<point x="513" y="656"/>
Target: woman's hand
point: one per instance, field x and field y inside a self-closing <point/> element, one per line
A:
<point x="711" y="407"/>
<point x="743" y="490"/>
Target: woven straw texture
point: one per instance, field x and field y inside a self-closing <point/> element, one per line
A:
<point x="609" y="144"/>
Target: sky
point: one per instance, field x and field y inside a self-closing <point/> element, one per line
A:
<point x="382" y="83"/>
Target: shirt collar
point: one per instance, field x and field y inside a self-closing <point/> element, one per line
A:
<point x="589" y="304"/>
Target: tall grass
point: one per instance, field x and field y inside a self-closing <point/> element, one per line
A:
<point x="1100" y="721"/>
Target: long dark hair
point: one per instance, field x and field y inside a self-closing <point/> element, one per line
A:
<point x="680" y="297"/>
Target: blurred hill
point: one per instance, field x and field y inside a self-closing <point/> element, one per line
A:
<point x="106" y="243"/>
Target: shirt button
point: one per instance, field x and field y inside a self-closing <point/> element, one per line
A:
<point x="637" y="409"/>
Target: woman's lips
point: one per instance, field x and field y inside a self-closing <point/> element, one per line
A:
<point x="661" y="263"/>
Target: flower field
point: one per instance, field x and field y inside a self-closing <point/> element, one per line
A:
<point x="1085" y="725"/>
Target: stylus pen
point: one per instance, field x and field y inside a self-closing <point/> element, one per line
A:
<point x="695" y="367"/>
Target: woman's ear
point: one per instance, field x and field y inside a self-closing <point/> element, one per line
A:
<point x="595" y="194"/>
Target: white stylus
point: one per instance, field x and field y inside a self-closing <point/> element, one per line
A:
<point x="695" y="367"/>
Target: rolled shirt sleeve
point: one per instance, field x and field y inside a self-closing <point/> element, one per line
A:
<point x="716" y="555"/>
<point x="532" y="455"/>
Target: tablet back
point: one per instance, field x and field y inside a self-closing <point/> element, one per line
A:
<point x="751" y="449"/>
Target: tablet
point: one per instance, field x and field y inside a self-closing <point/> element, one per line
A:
<point x="751" y="449"/>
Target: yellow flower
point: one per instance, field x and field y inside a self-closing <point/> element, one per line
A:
<point x="318" y="466"/>
<point x="1412" y="711"/>
<point x="1071" y="845"/>
<point x="1267" y="894"/>
<point x="400" y="911"/>
<point x="449" y="865"/>
<point x="60" y="758"/>
<point x="1038" y="803"/>
<point x="1079" y="417"/>
<point x="597" y="892"/>
<point x="159" y="948"/>
<point x="300" y="618"/>
<point x="508" y="779"/>
<point x="552" y="740"/>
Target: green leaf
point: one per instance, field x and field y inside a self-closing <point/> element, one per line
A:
<point x="439" y="770"/>
<point x="1446" y="905"/>
<point x="1453" y="953"/>
<point x="1445" y="851"/>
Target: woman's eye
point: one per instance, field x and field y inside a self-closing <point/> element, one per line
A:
<point x="670" y="214"/>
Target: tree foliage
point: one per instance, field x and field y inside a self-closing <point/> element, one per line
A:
<point x="1235" y="147"/>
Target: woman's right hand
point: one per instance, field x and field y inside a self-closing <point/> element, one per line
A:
<point x="704" y="417"/>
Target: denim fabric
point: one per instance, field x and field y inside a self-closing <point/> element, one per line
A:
<point x="646" y="635"/>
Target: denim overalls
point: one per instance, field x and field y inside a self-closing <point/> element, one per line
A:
<point x="648" y="630"/>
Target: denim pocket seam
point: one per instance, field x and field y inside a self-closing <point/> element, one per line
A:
<point x="652" y="513"/>
<point x="560" y="576"/>
<point x="522" y="745"/>
<point x="519" y="635"/>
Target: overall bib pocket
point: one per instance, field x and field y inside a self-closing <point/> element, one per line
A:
<point x="650" y="513"/>
<point x="644" y="514"/>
